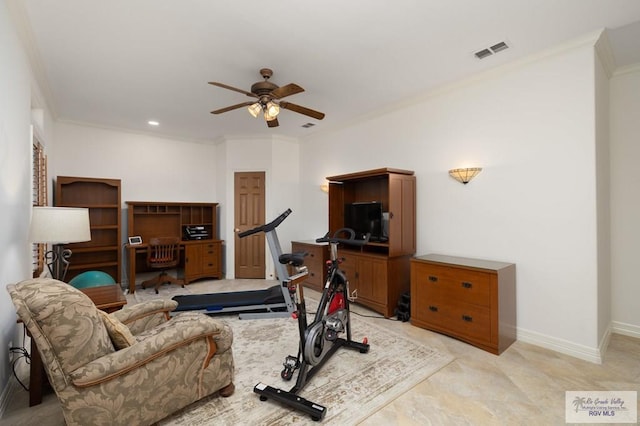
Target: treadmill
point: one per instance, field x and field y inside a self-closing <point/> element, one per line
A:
<point x="272" y="302"/>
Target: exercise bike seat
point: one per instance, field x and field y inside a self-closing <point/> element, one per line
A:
<point x="295" y="259"/>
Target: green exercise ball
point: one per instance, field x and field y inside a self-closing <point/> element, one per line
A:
<point x="91" y="279"/>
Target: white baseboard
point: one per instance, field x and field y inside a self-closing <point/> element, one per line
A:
<point x="595" y="355"/>
<point x="7" y="393"/>
<point x="626" y="329"/>
<point x="604" y="343"/>
<point x="566" y="347"/>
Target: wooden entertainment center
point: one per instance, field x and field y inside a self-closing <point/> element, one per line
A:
<point x="202" y="254"/>
<point x="378" y="272"/>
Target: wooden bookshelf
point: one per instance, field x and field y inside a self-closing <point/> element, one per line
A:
<point x="102" y="198"/>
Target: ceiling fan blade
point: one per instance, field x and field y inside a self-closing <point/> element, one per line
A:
<point x="235" y="89"/>
<point x="288" y="90"/>
<point x="302" y="110"/>
<point x="273" y="123"/>
<point x="232" y="107"/>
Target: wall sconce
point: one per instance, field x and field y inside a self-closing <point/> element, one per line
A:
<point x="59" y="226"/>
<point x="325" y="187"/>
<point x="465" y="175"/>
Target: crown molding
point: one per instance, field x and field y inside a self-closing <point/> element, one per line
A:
<point x="629" y="69"/>
<point x="589" y="39"/>
<point x="154" y="134"/>
<point x="604" y="52"/>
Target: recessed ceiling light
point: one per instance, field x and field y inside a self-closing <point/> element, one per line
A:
<point x="153" y="123"/>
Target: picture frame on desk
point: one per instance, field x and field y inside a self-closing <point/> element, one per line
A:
<point x="135" y="240"/>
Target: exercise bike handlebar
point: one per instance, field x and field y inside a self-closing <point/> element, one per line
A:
<point x="266" y="227"/>
<point x="352" y="240"/>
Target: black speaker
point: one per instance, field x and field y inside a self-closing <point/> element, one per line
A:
<point x="403" y="311"/>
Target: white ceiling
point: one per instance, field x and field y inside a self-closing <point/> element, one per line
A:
<point x="120" y="63"/>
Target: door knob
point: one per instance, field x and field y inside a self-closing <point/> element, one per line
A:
<point x="236" y="230"/>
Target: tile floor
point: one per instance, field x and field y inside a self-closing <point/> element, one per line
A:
<point x="524" y="386"/>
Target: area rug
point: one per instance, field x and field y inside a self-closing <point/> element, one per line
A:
<point x="351" y="385"/>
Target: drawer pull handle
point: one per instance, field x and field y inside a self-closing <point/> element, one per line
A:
<point x="433" y="308"/>
<point x="467" y="318"/>
<point x="466" y="284"/>
<point x="433" y="278"/>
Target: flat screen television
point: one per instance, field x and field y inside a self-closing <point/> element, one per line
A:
<point x="363" y="218"/>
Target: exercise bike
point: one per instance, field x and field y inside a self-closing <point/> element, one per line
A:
<point x="320" y="339"/>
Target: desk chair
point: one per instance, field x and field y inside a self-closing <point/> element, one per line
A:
<point x="164" y="254"/>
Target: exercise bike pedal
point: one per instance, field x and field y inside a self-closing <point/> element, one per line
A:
<point x="291" y="364"/>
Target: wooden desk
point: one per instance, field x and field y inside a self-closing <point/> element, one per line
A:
<point x="108" y="298"/>
<point x="148" y="219"/>
<point x="201" y="259"/>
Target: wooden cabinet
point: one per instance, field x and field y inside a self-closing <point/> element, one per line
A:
<point x="102" y="198"/>
<point x="470" y="299"/>
<point x="202" y="259"/>
<point x="379" y="272"/>
<point x="376" y="280"/>
<point x="315" y="261"/>
<point x="195" y="223"/>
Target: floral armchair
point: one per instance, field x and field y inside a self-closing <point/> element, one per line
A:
<point x="134" y="366"/>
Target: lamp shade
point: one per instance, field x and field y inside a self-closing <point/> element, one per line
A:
<point x="255" y="109"/>
<point x="59" y="225"/>
<point x="464" y="175"/>
<point x="273" y="109"/>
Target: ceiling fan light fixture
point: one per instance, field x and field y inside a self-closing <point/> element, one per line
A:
<point x="255" y="109"/>
<point x="267" y="100"/>
<point x="273" y="109"/>
<point x="269" y="117"/>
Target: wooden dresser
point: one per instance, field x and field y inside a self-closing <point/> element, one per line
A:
<point x="472" y="300"/>
<point x="315" y="261"/>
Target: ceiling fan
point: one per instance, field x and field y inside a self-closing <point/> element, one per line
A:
<point x="268" y="99"/>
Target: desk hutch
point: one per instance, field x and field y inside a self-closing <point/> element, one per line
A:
<point x="202" y="256"/>
<point x="378" y="272"/>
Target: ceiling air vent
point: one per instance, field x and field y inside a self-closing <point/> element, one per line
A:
<point x="485" y="53"/>
<point x="306" y="126"/>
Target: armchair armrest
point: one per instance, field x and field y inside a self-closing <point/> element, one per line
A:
<point x="168" y="337"/>
<point x="223" y="335"/>
<point x="145" y="315"/>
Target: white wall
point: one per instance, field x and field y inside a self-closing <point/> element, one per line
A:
<point x="625" y="200"/>
<point x="531" y="127"/>
<point x="150" y="168"/>
<point x="278" y="157"/>
<point x="16" y="93"/>
<point x="603" y="207"/>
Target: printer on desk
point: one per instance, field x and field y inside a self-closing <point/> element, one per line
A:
<point x="195" y="232"/>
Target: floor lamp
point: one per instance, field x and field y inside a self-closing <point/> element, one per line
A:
<point x="59" y="226"/>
